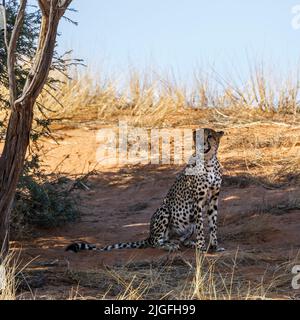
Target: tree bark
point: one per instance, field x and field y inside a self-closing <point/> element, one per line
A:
<point x="20" y="121"/>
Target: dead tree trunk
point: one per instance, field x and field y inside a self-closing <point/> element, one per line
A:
<point x="20" y="121"/>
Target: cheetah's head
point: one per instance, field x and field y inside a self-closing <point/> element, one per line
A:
<point x="207" y="141"/>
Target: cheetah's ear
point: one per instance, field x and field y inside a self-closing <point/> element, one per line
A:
<point x="221" y="133"/>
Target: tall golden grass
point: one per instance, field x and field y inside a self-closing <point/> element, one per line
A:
<point x="153" y="99"/>
<point x="8" y="285"/>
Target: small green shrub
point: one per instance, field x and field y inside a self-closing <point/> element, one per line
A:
<point x="40" y="202"/>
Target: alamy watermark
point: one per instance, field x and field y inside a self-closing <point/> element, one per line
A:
<point x="2" y="277"/>
<point x="295" y="22"/>
<point x="2" y="15"/>
<point x="296" y="278"/>
<point x="127" y="145"/>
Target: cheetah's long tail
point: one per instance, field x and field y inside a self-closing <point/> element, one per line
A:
<point x="80" y="246"/>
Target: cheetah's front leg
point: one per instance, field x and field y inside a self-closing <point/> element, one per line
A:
<point x="200" y="239"/>
<point x="212" y="213"/>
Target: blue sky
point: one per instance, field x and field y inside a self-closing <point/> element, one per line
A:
<point x="182" y="35"/>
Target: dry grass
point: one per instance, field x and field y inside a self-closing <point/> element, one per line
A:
<point x="8" y="285"/>
<point x="268" y="154"/>
<point x="155" y="100"/>
<point x="206" y="278"/>
<point x="224" y="277"/>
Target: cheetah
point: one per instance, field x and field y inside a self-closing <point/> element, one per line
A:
<point x="180" y="216"/>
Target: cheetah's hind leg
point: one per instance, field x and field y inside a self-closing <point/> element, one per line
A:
<point x="185" y="238"/>
<point x="189" y="244"/>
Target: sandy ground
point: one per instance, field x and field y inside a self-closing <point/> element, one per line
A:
<point x="258" y="225"/>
